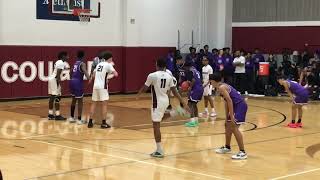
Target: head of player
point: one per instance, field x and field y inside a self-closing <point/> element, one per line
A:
<point x="80" y="55"/>
<point x="205" y="60"/>
<point x="63" y="55"/>
<point x="107" y="56"/>
<point x="281" y="80"/>
<point x="161" y="64"/>
<point x="215" y="80"/>
<point x="179" y="60"/>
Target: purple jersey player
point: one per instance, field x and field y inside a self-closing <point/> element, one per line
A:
<point x="299" y="97"/>
<point x="195" y="92"/>
<point x="76" y="86"/>
<point x="236" y="110"/>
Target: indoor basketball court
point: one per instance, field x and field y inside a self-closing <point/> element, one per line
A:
<point x="59" y="57"/>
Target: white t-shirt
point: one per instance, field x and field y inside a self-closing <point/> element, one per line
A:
<point x="160" y="82"/>
<point x="206" y="71"/>
<point x="58" y="65"/>
<point x="101" y="73"/>
<point x="240" y="69"/>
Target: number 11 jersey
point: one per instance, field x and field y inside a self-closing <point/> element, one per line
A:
<point x="160" y="82"/>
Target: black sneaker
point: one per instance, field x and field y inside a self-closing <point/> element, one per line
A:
<point x="51" y="117"/>
<point x="60" y="118"/>
<point x="105" y="126"/>
<point x="90" y="124"/>
<point x="157" y="154"/>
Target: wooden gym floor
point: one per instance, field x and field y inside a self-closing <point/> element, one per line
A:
<point x="35" y="148"/>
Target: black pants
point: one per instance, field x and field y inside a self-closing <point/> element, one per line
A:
<point x="228" y="78"/>
<point x="249" y="82"/>
<point x="240" y="82"/>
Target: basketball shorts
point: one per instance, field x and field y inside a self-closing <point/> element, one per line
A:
<point x="76" y="88"/>
<point x="158" y="112"/>
<point x="100" y="95"/>
<point x="196" y="94"/>
<point x="240" y="112"/>
<point x="207" y="91"/>
<point x="301" y="99"/>
<point x="53" y="88"/>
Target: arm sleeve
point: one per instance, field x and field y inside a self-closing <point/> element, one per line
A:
<point x="149" y="81"/>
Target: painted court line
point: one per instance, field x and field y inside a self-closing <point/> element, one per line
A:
<point x="138" y="161"/>
<point x="295" y="174"/>
<point x="44" y="135"/>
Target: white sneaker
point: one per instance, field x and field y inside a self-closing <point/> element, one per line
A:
<point x="71" y="120"/>
<point x="240" y="156"/>
<point x="80" y="122"/>
<point x="204" y="114"/>
<point x="213" y="114"/>
<point x="223" y="150"/>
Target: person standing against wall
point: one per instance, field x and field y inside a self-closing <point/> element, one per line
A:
<point x="239" y="74"/>
<point x="249" y="73"/>
<point x="228" y="66"/>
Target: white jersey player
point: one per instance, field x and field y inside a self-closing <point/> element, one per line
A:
<point x="100" y="87"/>
<point x="206" y="71"/>
<point x="54" y="87"/>
<point x="160" y="82"/>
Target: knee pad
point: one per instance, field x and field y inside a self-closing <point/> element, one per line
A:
<point x="57" y="99"/>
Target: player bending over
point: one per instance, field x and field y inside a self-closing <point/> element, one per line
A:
<point x="195" y="93"/>
<point x="54" y="87"/>
<point x="299" y="96"/>
<point x="100" y="94"/>
<point x="207" y="93"/>
<point x="236" y="109"/>
<point x="160" y="82"/>
<point x="76" y="86"/>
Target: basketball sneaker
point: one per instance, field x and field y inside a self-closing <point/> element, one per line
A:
<point x="157" y="154"/>
<point x="192" y="124"/>
<point x="240" y="156"/>
<point x="105" y="126"/>
<point x="71" y="120"/>
<point x="60" y="118"/>
<point x="204" y="114"/>
<point x="181" y="112"/>
<point x="90" y="124"/>
<point x="292" y="125"/>
<point x="213" y="114"/>
<point x="51" y="117"/>
<point x="222" y="150"/>
<point x="80" y="122"/>
<point x="299" y="125"/>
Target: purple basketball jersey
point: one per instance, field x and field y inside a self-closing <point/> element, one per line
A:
<point x="301" y="93"/>
<point x="76" y="71"/>
<point x="76" y="82"/>
<point x="196" y="76"/>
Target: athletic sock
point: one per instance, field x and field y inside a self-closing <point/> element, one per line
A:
<point x="206" y="110"/>
<point x="72" y="111"/>
<point x="293" y="121"/>
<point x="213" y="110"/>
<point x="227" y="146"/>
<point x="50" y="111"/>
<point x="192" y="120"/>
<point x="159" y="148"/>
<point x="299" y="121"/>
<point x="57" y="113"/>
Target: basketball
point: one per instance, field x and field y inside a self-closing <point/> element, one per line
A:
<point x="185" y="86"/>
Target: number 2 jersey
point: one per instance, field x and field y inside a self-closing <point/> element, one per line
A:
<point x="160" y="82"/>
<point x="101" y="72"/>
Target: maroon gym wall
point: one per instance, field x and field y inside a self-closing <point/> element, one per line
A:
<point x="132" y="63"/>
<point x="274" y="39"/>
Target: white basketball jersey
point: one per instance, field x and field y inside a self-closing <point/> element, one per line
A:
<point x="206" y="71"/>
<point x="58" y="65"/>
<point x="101" y="72"/>
<point x="160" y="82"/>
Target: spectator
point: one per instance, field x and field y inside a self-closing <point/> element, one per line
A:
<point x="215" y="52"/>
<point x="228" y="66"/>
<point x="192" y="57"/>
<point x="249" y="73"/>
<point x="219" y="63"/>
<point x="208" y="54"/>
<point x="171" y="61"/>
<point x="273" y="65"/>
<point x="239" y="62"/>
<point x="305" y="58"/>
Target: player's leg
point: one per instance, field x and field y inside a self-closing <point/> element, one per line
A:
<point x="51" y="103"/>
<point x="206" y="103"/>
<point x="300" y="113"/>
<point x="58" y="117"/>
<point x="294" y="110"/>
<point x="104" y="124"/>
<point x="72" y="109"/>
<point x="228" y="134"/>
<point x="238" y="135"/>
<point x="194" y="114"/>
<point x="92" y="110"/>
<point x="157" y="115"/>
